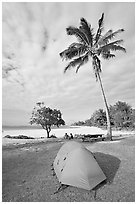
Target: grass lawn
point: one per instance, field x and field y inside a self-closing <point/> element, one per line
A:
<point x="27" y="175"/>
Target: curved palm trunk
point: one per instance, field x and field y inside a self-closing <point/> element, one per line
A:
<point x="109" y="130"/>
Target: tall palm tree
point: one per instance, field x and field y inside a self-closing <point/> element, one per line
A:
<point x="92" y="46"/>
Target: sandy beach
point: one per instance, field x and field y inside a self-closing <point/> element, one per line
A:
<point x="27" y="175"/>
<point x="40" y="134"/>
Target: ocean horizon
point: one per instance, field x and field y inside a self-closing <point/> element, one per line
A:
<point x="27" y="127"/>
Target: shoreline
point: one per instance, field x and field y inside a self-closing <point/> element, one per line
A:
<point x="40" y="136"/>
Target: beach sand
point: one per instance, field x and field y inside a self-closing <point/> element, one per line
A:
<point x="40" y="134"/>
<point x="27" y="175"/>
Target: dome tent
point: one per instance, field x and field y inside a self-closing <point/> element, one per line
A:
<point x="76" y="166"/>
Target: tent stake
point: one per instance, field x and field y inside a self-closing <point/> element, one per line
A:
<point x="60" y="188"/>
<point x="95" y="194"/>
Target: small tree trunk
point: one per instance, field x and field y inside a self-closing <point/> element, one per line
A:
<point x="47" y="133"/>
<point x="48" y="129"/>
<point x="109" y="129"/>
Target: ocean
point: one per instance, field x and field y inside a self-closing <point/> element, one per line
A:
<point x="36" y="132"/>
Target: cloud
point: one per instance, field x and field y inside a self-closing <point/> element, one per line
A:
<point x="33" y="36"/>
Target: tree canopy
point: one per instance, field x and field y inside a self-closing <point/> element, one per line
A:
<point x="122" y="116"/>
<point x="91" y="44"/>
<point x="46" y="117"/>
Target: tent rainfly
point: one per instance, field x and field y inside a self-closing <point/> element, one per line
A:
<point x="76" y="166"/>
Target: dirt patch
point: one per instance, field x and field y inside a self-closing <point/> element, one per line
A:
<point x="27" y="175"/>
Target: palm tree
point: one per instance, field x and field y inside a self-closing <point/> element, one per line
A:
<point x="92" y="46"/>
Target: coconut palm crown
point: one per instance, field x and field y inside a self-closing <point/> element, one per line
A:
<point x="91" y="45"/>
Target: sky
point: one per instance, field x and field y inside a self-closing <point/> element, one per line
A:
<point x="33" y="35"/>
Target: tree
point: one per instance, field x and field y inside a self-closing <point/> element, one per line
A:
<point x="46" y="117"/>
<point x="79" y="123"/>
<point x="92" y="46"/>
<point x="99" y="118"/>
<point x="122" y="115"/>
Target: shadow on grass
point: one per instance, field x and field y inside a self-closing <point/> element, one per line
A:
<point x="109" y="165"/>
<point x="115" y="138"/>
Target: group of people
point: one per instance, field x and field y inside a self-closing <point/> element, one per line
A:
<point x="66" y="136"/>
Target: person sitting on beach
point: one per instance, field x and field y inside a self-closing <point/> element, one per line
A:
<point x="66" y="136"/>
<point x="71" y="136"/>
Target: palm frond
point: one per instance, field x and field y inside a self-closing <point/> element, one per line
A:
<point x="74" y="50"/>
<point x="73" y="63"/>
<point x="113" y="34"/>
<point x="84" y="60"/>
<point x="75" y="44"/>
<point x="100" y="28"/>
<point x="78" y="33"/>
<point x="112" y="46"/>
<point x="85" y="27"/>
<point x="107" y="55"/>
<point x="103" y="40"/>
<point x="78" y="62"/>
<point x="116" y="42"/>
